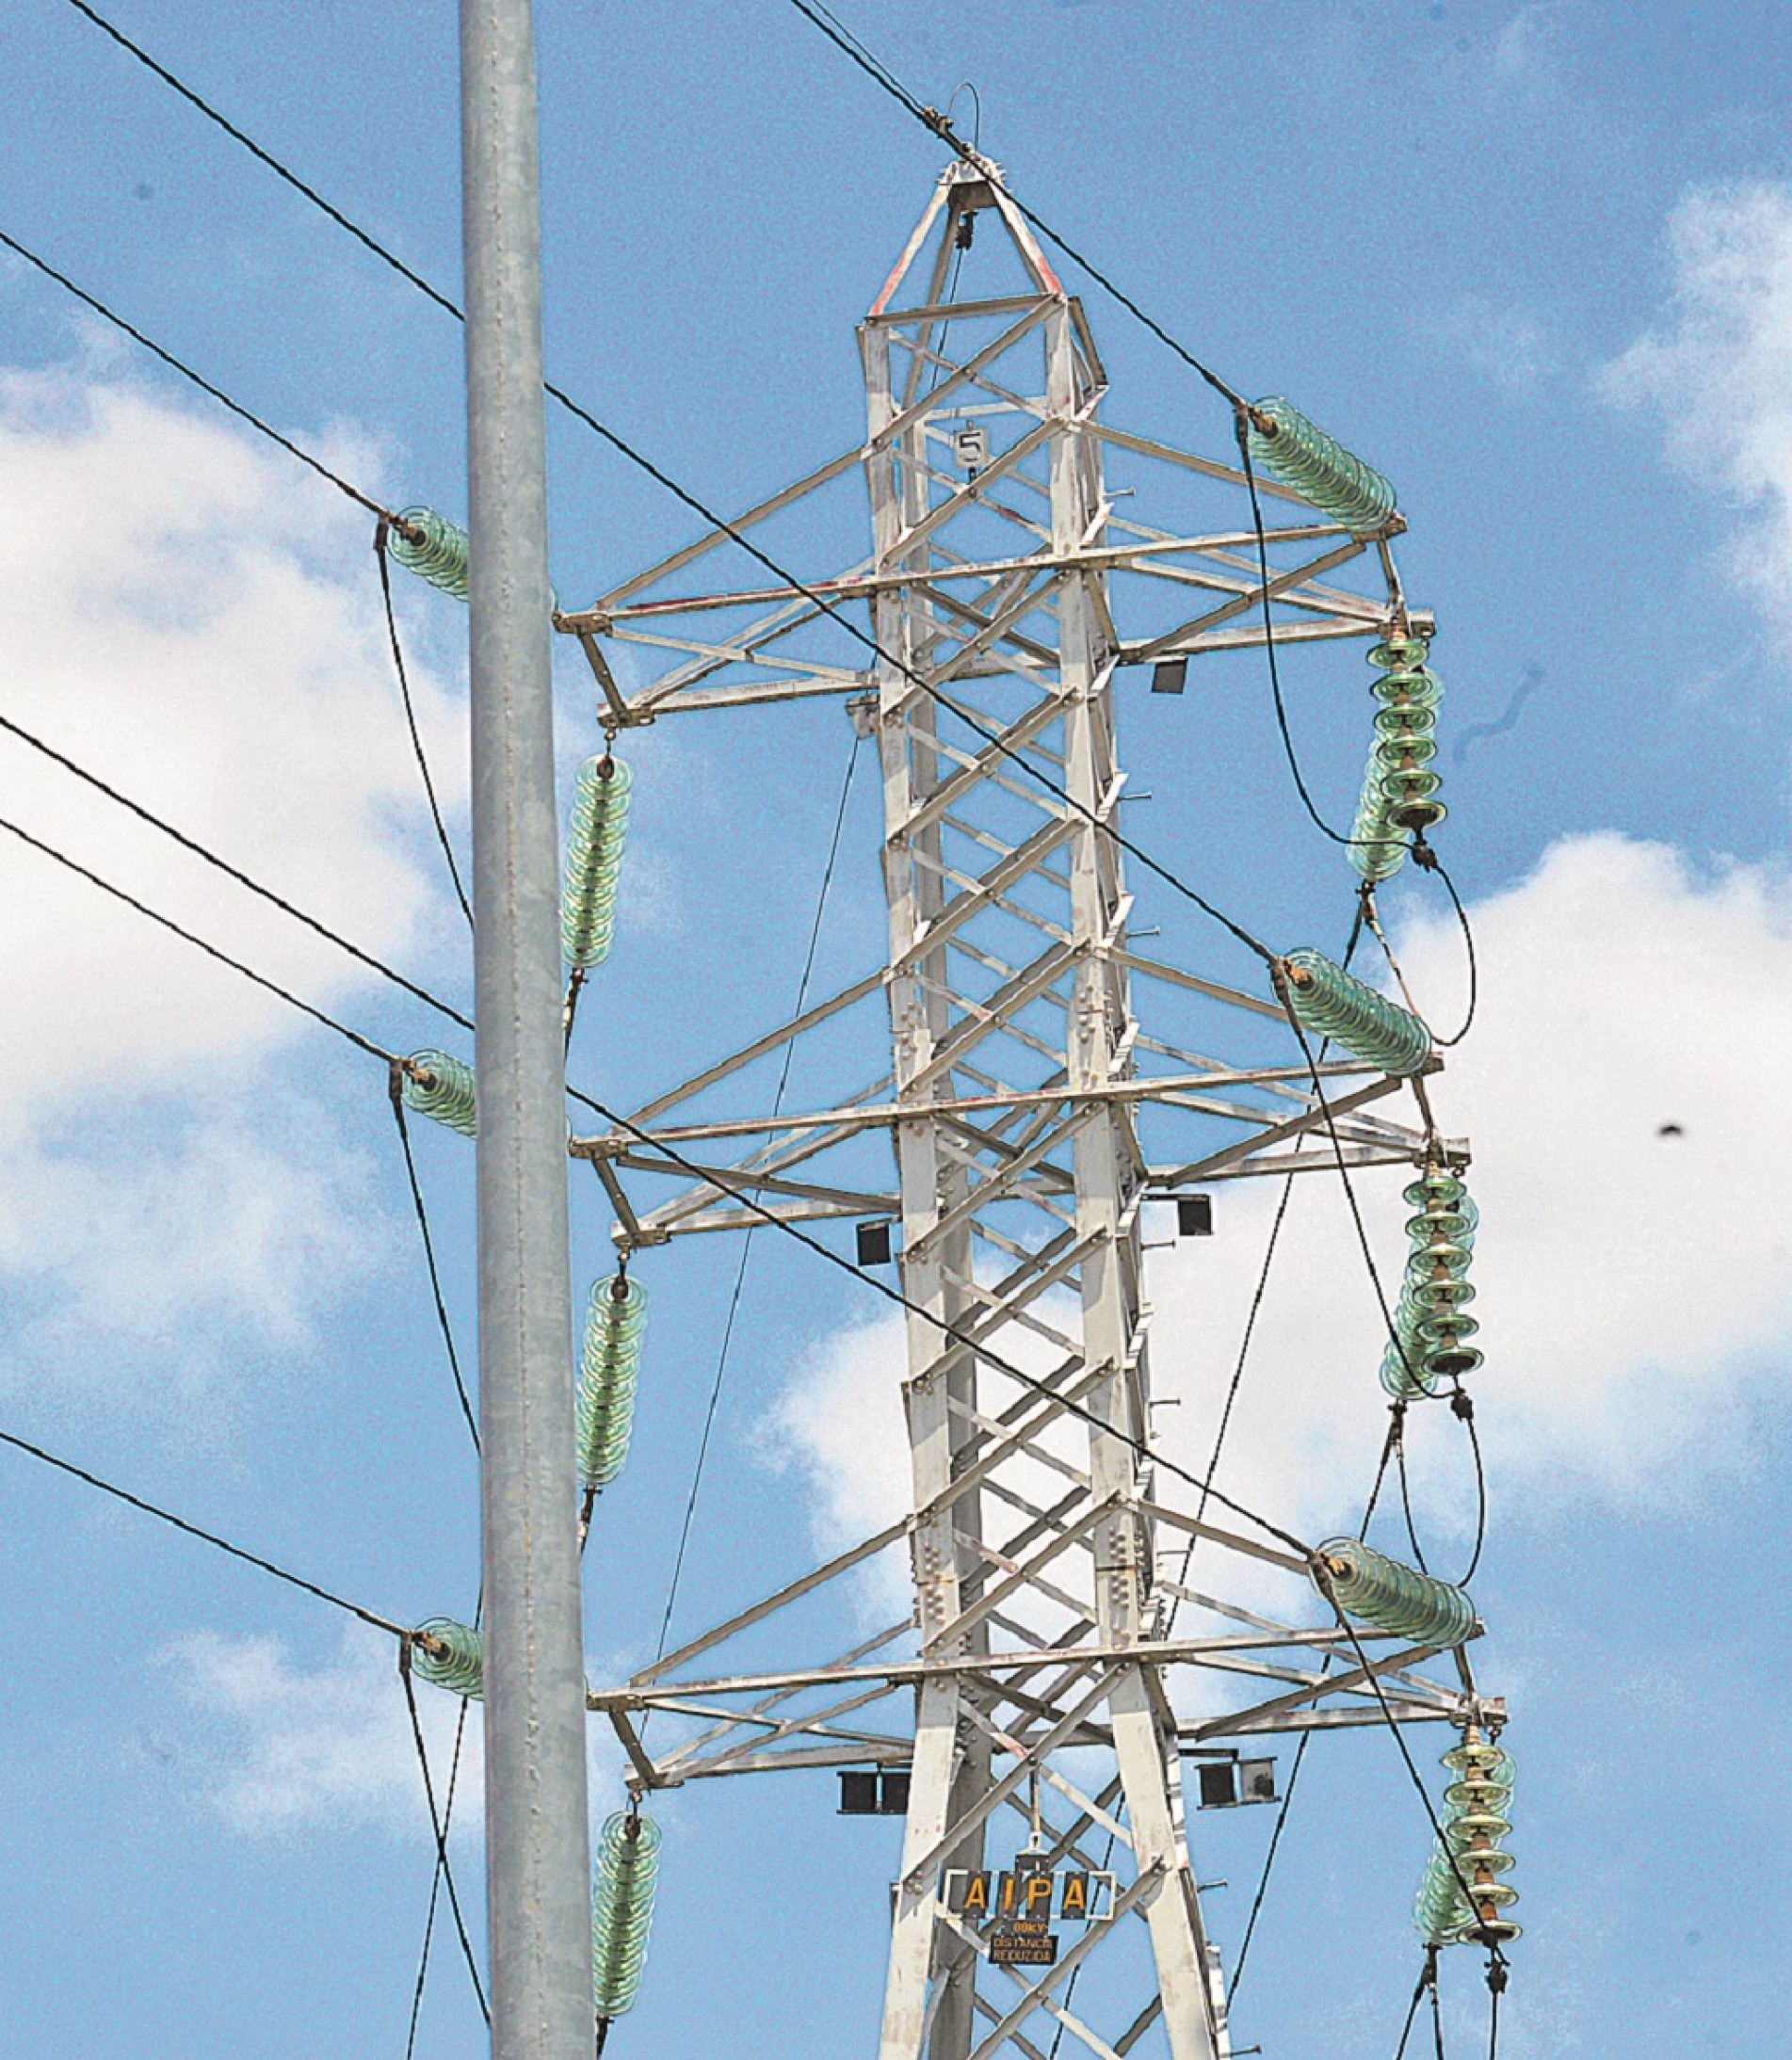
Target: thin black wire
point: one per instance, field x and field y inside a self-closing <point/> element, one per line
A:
<point x="440" y="1835"/>
<point x="118" y="893"/>
<point x="1406" y="1508"/>
<point x="1269" y="641"/>
<point x="1437" y="2020"/>
<point x="207" y="1537"/>
<point x="232" y="872"/>
<point x="435" y="1887"/>
<point x="747" y="1242"/>
<point x="1429" y="861"/>
<point x="1463" y="1406"/>
<point x="1493" y="2020"/>
<point x="1427" y="1979"/>
<point x="409" y="713"/>
<point x="931" y="120"/>
<point x="204" y="385"/>
<point x="429" y="1256"/>
<point x="265" y="157"/>
<point x="742" y="1194"/>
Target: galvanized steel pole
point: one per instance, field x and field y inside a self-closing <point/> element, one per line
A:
<point x="538" y="1843"/>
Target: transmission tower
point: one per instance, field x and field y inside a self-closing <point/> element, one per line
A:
<point x="1047" y="1080"/>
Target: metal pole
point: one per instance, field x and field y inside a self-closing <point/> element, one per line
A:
<point x="538" y="1863"/>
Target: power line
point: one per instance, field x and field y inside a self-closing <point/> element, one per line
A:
<point x="266" y="157"/>
<point x="207" y="1537"/>
<point x="741" y="1194"/>
<point x="212" y="951"/>
<point x="232" y="872"/>
<point x="204" y="385"/>
<point x="643" y="463"/>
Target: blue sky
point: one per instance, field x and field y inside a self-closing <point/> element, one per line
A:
<point x="1537" y="263"/>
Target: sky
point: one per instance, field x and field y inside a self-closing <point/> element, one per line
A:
<point x="1536" y="264"/>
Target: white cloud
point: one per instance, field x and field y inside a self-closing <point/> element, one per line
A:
<point x="284" y="1749"/>
<point x="1634" y="1289"/>
<point x="201" y="627"/>
<point x="1506" y="345"/>
<point x="288" y="1749"/>
<point x="1718" y="369"/>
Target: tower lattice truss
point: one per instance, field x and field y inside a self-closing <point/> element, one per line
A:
<point x="1032" y="1114"/>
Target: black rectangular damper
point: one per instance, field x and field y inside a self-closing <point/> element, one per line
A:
<point x="1194" y="1215"/>
<point x="1218" y="1783"/>
<point x="858" y="1794"/>
<point x="1257" y="1781"/>
<point x="1169" y="675"/>
<point x="874" y="1244"/>
<point x="892" y="1793"/>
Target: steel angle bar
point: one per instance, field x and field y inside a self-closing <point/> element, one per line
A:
<point x="999" y="1792"/>
<point x="1251" y="597"/>
<point x="792" y="1591"/>
<point x="1039" y="1521"/>
<point x="1289" y="1722"/>
<point x="1003" y="1179"/>
<point x="647" y="1774"/>
<point x="1060" y="2014"/>
<point x="1358" y="1678"/>
<point x="1273" y="1133"/>
<point x="869" y="983"/>
<point x="1024" y="1576"/>
<point x="1016" y="598"/>
<point x="1213" y="989"/>
<point x="818" y="1723"/>
<point x="597" y="616"/>
<point x="759" y="693"/>
<point x="748" y="648"/>
<point x="1163" y="1182"/>
<point x="801" y="1759"/>
<point x="847" y="1201"/>
<point x="1142" y="2025"/>
<point x="1252" y="636"/>
<point x="999" y="627"/>
<point x="1146" y="1885"/>
<point x="953" y="311"/>
<point x="693" y="1747"/>
<point x="961" y="375"/>
<point x="966" y="1035"/>
<point x="1092" y="1811"/>
<point x="1230" y="1540"/>
<point x="1144" y="446"/>
<point x="987" y="891"/>
<point x="1340" y="598"/>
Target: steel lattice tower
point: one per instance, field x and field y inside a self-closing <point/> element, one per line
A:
<point x="1018" y="1097"/>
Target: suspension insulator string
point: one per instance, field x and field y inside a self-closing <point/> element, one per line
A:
<point x="593" y="870"/>
<point x="1430" y="1324"/>
<point x="451" y="1654"/>
<point x="623" y="1881"/>
<point x="1399" y="788"/>
<point x="1317" y="467"/>
<point x="1332" y="1003"/>
<point x="1462" y="1898"/>
<point x="609" y="1372"/>
<point x="440" y="1087"/>
<point x="1392" y="1597"/>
